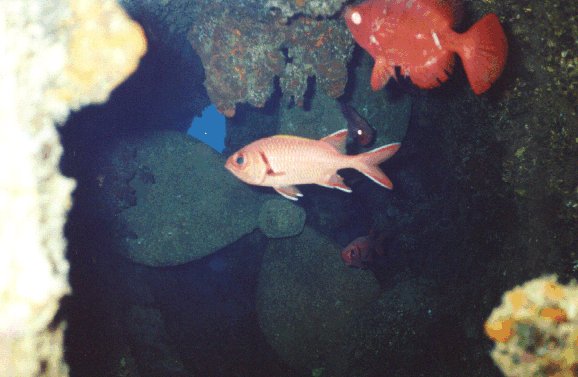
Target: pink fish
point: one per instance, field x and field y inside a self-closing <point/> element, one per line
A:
<point x="284" y="161"/>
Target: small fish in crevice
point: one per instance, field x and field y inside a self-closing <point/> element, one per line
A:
<point x="359" y="130"/>
<point x="360" y="252"/>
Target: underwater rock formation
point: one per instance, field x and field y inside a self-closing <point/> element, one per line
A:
<point x="307" y="300"/>
<point x="279" y="218"/>
<point x="56" y="56"/>
<point x="240" y="57"/>
<point x="188" y="205"/>
<point x="312" y="8"/>
<point x="152" y="346"/>
<point x="536" y="329"/>
<point x="242" y="53"/>
<point x="389" y="116"/>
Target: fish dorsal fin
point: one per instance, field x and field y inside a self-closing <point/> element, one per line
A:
<point x="337" y="139"/>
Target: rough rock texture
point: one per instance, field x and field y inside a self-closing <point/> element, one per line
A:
<point x="188" y="205"/>
<point x="514" y="150"/>
<point x="536" y="329"/>
<point x="401" y="320"/>
<point x="388" y="115"/>
<point x="314" y="8"/>
<point x="240" y="57"/>
<point x="153" y="349"/>
<point x="244" y="45"/>
<point x="307" y="299"/>
<point x="49" y="65"/>
<point x="242" y="53"/>
<point x="281" y="218"/>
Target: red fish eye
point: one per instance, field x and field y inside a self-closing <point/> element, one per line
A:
<point x="240" y="160"/>
<point x="352" y="252"/>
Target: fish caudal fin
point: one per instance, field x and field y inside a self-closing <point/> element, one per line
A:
<point x="483" y="50"/>
<point x="368" y="163"/>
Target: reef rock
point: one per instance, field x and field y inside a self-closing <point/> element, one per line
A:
<point x="388" y="114"/>
<point x="243" y="51"/>
<point x="313" y="8"/>
<point x="281" y="218"/>
<point x="307" y="299"/>
<point x="189" y="206"/>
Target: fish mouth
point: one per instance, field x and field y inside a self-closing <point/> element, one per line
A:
<point x="228" y="164"/>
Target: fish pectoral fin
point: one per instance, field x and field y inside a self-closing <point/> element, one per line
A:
<point x="337" y="139"/>
<point x="336" y="181"/>
<point x="380" y="74"/>
<point x="289" y="192"/>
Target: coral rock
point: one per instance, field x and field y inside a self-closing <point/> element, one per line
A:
<point x="243" y="52"/>
<point x="187" y="205"/>
<point x="280" y="218"/>
<point x="240" y="57"/>
<point x="307" y="300"/>
<point x="314" y="8"/>
<point x="536" y="329"/>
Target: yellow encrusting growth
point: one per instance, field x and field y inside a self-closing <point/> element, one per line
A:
<point x="536" y="329"/>
<point x="104" y="47"/>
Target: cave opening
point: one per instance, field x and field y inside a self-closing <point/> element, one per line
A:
<point x="165" y="289"/>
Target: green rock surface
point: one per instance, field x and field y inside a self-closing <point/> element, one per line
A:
<point x="307" y="299"/>
<point x="188" y="205"/>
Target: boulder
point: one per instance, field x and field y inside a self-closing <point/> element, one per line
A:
<point x="307" y="300"/>
<point x="189" y="206"/>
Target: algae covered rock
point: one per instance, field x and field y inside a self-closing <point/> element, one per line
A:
<point x="187" y="203"/>
<point x="189" y="206"/>
<point x="281" y="218"/>
<point x="307" y="299"/>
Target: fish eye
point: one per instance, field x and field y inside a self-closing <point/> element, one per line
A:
<point x="240" y="160"/>
<point x="352" y="252"/>
<point x="356" y="18"/>
<point x="359" y="132"/>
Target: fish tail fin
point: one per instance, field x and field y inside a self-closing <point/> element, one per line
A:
<point x="483" y="50"/>
<point x="368" y="163"/>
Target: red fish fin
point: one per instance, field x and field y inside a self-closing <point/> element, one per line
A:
<point x="336" y="181"/>
<point x="381" y="74"/>
<point x="483" y="50"/>
<point x="290" y="192"/>
<point x="337" y="139"/>
<point x="368" y="163"/>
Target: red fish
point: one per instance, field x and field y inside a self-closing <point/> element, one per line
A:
<point x="417" y="36"/>
<point x="359" y="130"/>
<point x="361" y="251"/>
<point x="284" y="161"/>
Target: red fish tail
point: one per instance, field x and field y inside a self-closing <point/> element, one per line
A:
<point x="483" y="50"/>
<point x="368" y="163"/>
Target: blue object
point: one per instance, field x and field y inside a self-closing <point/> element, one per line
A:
<point x="209" y="128"/>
